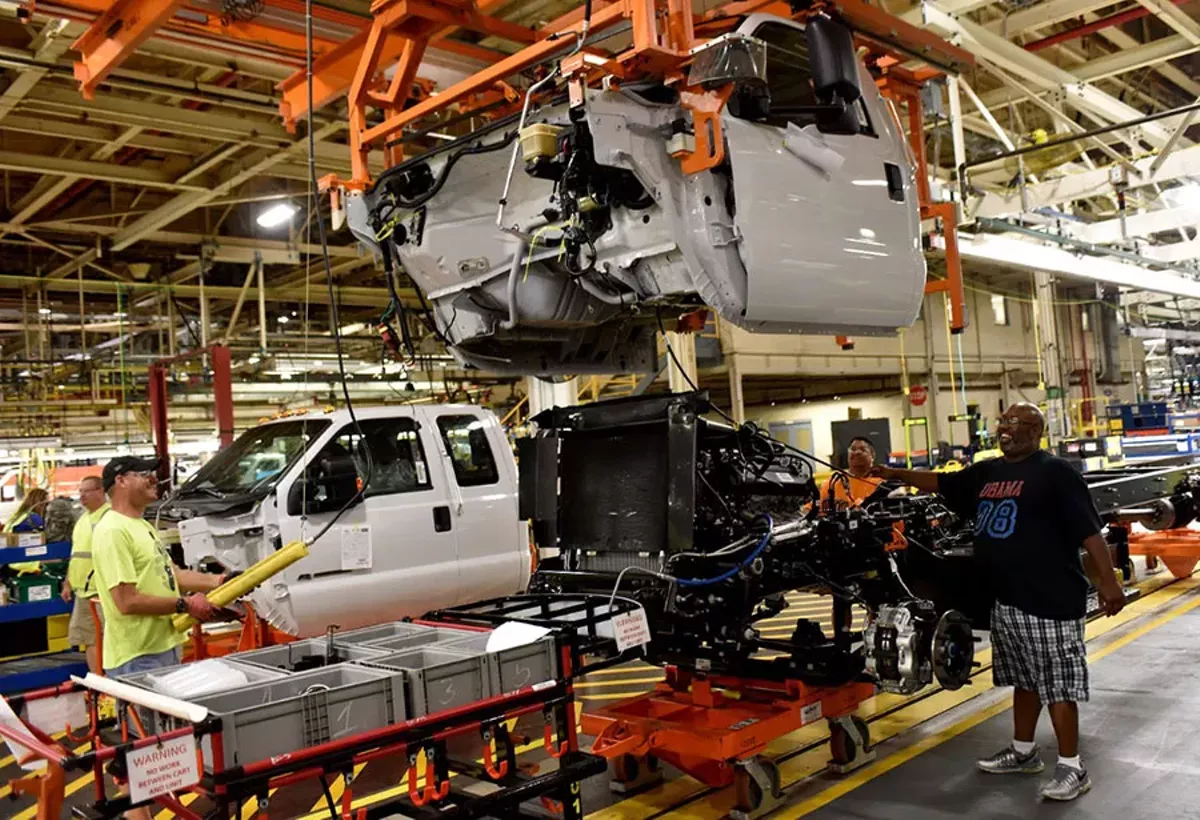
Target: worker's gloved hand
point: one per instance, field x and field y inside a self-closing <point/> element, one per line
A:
<point x="200" y="608"/>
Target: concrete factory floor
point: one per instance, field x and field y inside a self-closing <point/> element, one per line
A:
<point x="1137" y="740"/>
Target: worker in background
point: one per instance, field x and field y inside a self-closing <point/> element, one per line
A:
<point x="1032" y="514"/>
<point x="28" y="518"/>
<point x="80" y="583"/>
<point x="858" y="481"/>
<point x="139" y="587"/>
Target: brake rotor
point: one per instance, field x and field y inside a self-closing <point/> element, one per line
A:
<point x="953" y="651"/>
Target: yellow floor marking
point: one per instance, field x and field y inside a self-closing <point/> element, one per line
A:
<point x="5" y="762"/>
<point x="904" y="755"/>
<point x="596" y="684"/>
<point x="909" y="711"/>
<point x="624" y="670"/>
<point x="336" y="790"/>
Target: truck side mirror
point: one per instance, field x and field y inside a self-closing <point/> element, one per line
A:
<point x="835" y="76"/>
<point x="328" y="483"/>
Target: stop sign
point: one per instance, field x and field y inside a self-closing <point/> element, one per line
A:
<point x="917" y="395"/>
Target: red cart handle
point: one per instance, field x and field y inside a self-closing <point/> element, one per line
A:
<point x="548" y="742"/>
<point x="494" y="772"/>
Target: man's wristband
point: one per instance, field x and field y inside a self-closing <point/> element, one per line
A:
<point x="181" y="605"/>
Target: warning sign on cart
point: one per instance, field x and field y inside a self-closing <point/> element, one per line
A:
<point x="631" y="629"/>
<point x="163" y="768"/>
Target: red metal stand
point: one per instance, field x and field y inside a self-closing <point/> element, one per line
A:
<point x="707" y="726"/>
<point x="219" y="361"/>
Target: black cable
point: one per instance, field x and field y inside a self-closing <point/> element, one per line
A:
<point x="186" y="323"/>
<point x="333" y="812"/>
<point x="760" y="432"/>
<point x="444" y="174"/>
<point x="335" y="324"/>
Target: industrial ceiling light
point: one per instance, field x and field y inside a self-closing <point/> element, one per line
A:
<point x="276" y="215"/>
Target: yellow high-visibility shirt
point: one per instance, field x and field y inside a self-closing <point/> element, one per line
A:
<point x="128" y="551"/>
<point x="79" y="571"/>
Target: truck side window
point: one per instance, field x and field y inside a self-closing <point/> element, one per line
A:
<point x="466" y="442"/>
<point x="789" y="78"/>
<point x="397" y="458"/>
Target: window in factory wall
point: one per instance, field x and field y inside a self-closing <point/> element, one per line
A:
<point x="466" y="442"/>
<point x="1000" y="310"/>
<point x="397" y="458"/>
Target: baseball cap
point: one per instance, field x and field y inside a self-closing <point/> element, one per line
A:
<point x="126" y="464"/>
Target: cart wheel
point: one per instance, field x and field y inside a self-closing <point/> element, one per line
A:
<point x="626" y="768"/>
<point x="747" y="791"/>
<point x="846" y="748"/>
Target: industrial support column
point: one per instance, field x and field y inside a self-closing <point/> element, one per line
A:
<point x="935" y="385"/>
<point x="683" y="345"/>
<point x="544" y="394"/>
<point x="737" y="401"/>
<point x="1046" y="333"/>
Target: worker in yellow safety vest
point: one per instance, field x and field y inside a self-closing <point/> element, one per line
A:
<point x="80" y="583"/>
<point x="28" y="518"/>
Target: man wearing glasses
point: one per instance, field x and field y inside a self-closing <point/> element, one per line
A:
<point x="1032" y="513"/>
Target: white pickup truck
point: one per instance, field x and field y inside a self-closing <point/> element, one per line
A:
<point x="437" y="524"/>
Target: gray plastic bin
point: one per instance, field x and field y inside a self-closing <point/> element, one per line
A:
<point x="439" y="678"/>
<point x="286" y="656"/>
<point x="367" y="634"/>
<point x="303" y="710"/>
<point x="254" y="674"/>
<point x="513" y="668"/>
<point x="424" y="636"/>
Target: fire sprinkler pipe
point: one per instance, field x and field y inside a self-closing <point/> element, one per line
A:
<point x="1118" y="19"/>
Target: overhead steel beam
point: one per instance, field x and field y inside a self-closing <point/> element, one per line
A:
<point x="1123" y="42"/>
<point x="47" y="47"/>
<point x="1016" y="252"/>
<point x="1182" y="163"/>
<point x="232" y="245"/>
<point x="1140" y="56"/>
<point x="63" y="166"/>
<point x="126" y="111"/>
<point x="1177" y="252"/>
<point x="1037" y="71"/>
<point x="243" y="171"/>
<point x="1039" y="15"/>
<point x="81" y="131"/>
<point x="1174" y="17"/>
<point x="355" y="297"/>
<point x="115" y="35"/>
<point x="1143" y="224"/>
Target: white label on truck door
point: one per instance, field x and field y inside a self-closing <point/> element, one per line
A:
<point x="631" y="629"/>
<point x="163" y="768"/>
<point x="356" y="546"/>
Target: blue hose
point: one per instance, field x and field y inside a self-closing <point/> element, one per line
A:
<point x="724" y="576"/>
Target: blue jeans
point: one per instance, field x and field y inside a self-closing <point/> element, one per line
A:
<point x="146" y="663"/>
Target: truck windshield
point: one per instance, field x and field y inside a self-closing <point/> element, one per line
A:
<point x="256" y="458"/>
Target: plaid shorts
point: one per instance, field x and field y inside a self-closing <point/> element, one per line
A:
<point x="1039" y="655"/>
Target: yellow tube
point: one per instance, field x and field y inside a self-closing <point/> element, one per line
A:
<point x="238" y="587"/>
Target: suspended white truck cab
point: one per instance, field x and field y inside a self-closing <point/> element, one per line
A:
<point x="561" y="248"/>
<point x="437" y="524"/>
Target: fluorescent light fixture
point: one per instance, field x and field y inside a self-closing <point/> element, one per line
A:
<point x="44" y="311"/>
<point x="276" y="215"/>
<point x="283" y="320"/>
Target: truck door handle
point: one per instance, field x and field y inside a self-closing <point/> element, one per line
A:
<point x="441" y="519"/>
<point x="895" y="181"/>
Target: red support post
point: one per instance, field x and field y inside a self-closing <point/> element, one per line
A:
<point x="158" y="419"/>
<point x="222" y="392"/>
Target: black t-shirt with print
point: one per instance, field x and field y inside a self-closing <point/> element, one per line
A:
<point x="1031" y="519"/>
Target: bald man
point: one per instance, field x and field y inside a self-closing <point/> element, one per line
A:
<point x="1032" y="513"/>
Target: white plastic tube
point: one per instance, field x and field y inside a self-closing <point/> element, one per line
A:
<point x="143" y="697"/>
